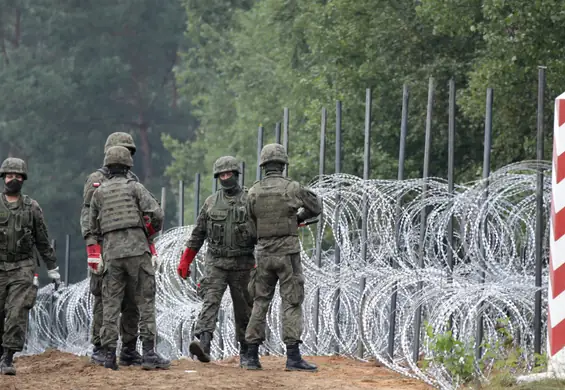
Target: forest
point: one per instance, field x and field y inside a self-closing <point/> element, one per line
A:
<point x="192" y="80"/>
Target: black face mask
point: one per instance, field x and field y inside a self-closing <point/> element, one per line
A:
<point x="13" y="187"/>
<point x="231" y="184"/>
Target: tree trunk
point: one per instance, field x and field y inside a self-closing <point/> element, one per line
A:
<point x="145" y="152"/>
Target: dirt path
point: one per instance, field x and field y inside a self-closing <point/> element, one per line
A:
<point x="54" y="370"/>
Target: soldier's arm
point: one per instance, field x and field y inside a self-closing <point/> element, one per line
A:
<point x="41" y="237"/>
<point x="150" y="207"/>
<point x="250" y="205"/>
<point x="93" y="223"/>
<point x="88" y="191"/>
<point x="198" y="235"/>
<point x="311" y="203"/>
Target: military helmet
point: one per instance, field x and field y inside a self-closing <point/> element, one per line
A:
<point x="120" y="139"/>
<point x="118" y="155"/>
<point x="226" y="164"/>
<point x="273" y="153"/>
<point x="13" y="165"/>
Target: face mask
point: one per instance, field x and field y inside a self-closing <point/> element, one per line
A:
<point x="230" y="183"/>
<point x="13" y="187"/>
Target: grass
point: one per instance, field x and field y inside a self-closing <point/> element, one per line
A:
<point x="506" y="381"/>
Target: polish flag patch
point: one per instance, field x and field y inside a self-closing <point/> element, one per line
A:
<point x="96" y="184"/>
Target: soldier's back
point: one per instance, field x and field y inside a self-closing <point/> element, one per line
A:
<point x="121" y="223"/>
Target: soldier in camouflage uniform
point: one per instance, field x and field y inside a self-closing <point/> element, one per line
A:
<point x="223" y="222"/>
<point x="117" y="212"/>
<point x="273" y="206"/>
<point x="22" y="229"/>
<point x="130" y="317"/>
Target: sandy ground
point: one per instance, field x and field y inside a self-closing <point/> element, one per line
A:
<point x="54" y="370"/>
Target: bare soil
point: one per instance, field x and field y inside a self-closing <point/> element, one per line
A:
<point x="55" y="370"/>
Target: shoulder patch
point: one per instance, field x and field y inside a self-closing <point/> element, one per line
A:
<point x="96" y="184"/>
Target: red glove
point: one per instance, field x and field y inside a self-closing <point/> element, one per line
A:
<point x="186" y="259"/>
<point x="150" y="230"/>
<point x="94" y="258"/>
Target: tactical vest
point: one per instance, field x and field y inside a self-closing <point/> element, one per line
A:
<point x="226" y="226"/>
<point x="119" y="208"/>
<point x="16" y="231"/>
<point x="276" y="217"/>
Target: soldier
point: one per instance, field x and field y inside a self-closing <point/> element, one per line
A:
<point x="21" y="229"/>
<point x="117" y="212"/>
<point x="273" y="206"/>
<point x="229" y="258"/>
<point x="130" y="318"/>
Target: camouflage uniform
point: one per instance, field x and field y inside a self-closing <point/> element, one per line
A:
<point x="130" y="313"/>
<point x="116" y="218"/>
<point x="273" y="205"/>
<point x="223" y="222"/>
<point x="22" y="230"/>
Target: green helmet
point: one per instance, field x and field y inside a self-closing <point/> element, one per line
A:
<point x="14" y="165"/>
<point x="273" y="153"/>
<point x="226" y="164"/>
<point x="118" y="155"/>
<point x="120" y="139"/>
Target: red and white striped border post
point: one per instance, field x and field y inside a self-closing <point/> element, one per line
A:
<point x="556" y="287"/>
<point x="556" y="292"/>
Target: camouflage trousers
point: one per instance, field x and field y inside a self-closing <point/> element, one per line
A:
<point x="287" y="269"/>
<point x="129" y="319"/>
<point x="212" y="288"/>
<point x="17" y="297"/>
<point x="133" y="277"/>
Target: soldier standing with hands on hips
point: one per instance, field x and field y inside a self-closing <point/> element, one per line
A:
<point x="276" y="206"/>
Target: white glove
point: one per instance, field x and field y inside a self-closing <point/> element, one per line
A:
<point x="155" y="261"/>
<point x="54" y="274"/>
<point x="96" y="265"/>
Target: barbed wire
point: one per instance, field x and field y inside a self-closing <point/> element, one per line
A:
<point x="487" y="269"/>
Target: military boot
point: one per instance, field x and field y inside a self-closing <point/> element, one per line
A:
<point x="129" y="355"/>
<point x="151" y="360"/>
<point x="97" y="357"/>
<point x="294" y="361"/>
<point x="110" y="360"/>
<point x="243" y="348"/>
<point x="202" y="349"/>
<point x="7" y="363"/>
<point x="252" y="361"/>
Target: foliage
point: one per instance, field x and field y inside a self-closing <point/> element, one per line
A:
<point x="70" y="74"/>
<point x="253" y="58"/>
<point x="503" y="358"/>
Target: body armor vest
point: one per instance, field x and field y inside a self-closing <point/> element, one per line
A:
<point x="275" y="214"/>
<point x="119" y="208"/>
<point x="16" y="231"/>
<point x="226" y="227"/>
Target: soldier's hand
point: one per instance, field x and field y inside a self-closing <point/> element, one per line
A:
<point x="54" y="275"/>
<point x="186" y="259"/>
<point x="94" y="260"/>
<point x="154" y="258"/>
